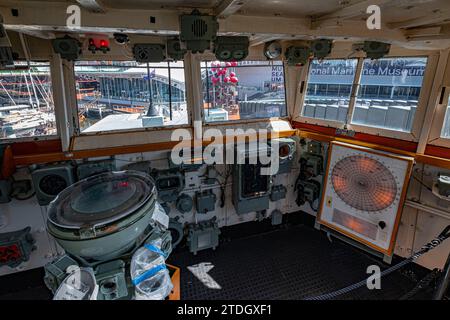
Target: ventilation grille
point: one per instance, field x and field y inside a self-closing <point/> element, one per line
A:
<point x="199" y="28"/>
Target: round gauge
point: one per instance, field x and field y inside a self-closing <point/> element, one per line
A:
<point x="52" y="184"/>
<point x="284" y="151"/>
<point x="103" y="216"/>
<point x="272" y="50"/>
<point x="101" y="199"/>
<point x="364" y="183"/>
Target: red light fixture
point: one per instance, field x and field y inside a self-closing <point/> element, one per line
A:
<point x="98" y="45"/>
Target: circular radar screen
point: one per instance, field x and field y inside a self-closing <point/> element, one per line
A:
<point x="364" y="183"/>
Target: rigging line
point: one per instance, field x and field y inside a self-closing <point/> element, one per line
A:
<point x="40" y="92"/>
<point x="445" y="234"/>
<point x="34" y="89"/>
<point x="48" y="94"/>
<point x="1" y="83"/>
<point x="28" y="89"/>
<point x="170" y="89"/>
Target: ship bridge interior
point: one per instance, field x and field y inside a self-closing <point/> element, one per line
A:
<point x="224" y="149"/>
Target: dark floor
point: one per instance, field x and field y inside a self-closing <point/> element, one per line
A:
<point x="292" y="263"/>
<point x="258" y="261"/>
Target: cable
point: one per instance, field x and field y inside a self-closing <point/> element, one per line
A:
<point x="311" y="204"/>
<point x="423" y="283"/>
<point x="429" y="246"/>
<point x="422" y="183"/>
<point x="224" y="185"/>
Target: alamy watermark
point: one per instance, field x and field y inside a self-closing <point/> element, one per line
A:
<point x="73" y="20"/>
<point x="228" y="146"/>
<point x="373" y="22"/>
<point x="374" y="280"/>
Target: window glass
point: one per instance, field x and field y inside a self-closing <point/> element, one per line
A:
<point x="446" y="128"/>
<point x="329" y="88"/>
<point x="388" y="93"/>
<point x="243" y="90"/>
<point x="26" y="101"/>
<point x="116" y="95"/>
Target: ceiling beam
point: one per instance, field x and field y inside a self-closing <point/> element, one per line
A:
<point x="437" y="16"/>
<point x="422" y="32"/>
<point x="260" y="39"/>
<point x="39" y="34"/>
<point x="350" y="11"/>
<point x="92" y="5"/>
<point x="227" y="8"/>
<point x="36" y="17"/>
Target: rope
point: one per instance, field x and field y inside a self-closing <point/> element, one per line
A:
<point x="423" y="283"/>
<point x="429" y="246"/>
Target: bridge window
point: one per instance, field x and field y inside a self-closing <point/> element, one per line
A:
<point x="388" y="93"/>
<point x="121" y="95"/>
<point x="243" y="90"/>
<point x="446" y="128"/>
<point x="329" y="88"/>
<point x="26" y="101"/>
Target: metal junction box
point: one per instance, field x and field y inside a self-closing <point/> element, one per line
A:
<point x="251" y="189"/>
<point x="203" y="235"/>
<point x="205" y="201"/>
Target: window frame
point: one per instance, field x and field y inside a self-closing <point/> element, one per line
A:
<point x="422" y="105"/>
<point x="45" y="63"/>
<point x="200" y="59"/>
<point x="435" y="137"/>
<point x="301" y="99"/>
<point x="189" y="104"/>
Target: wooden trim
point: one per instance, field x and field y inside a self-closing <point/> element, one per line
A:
<point x="30" y="148"/>
<point x="242" y="121"/>
<point x="176" y="293"/>
<point x="45" y="151"/>
<point x="381" y="142"/>
<point x="134" y="130"/>
<point x="434" y="155"/>
<point x="437" y="151"/>
<point x="401" y="206"/>
<point x="24" y="156"/>
<point x="433" y="161"/>
<point x="8" y="165"/>
<point x="394" y="233"/>
<point x="26" y="160"/>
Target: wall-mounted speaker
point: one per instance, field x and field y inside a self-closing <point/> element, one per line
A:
<point x="375" y="49"/>
<point x="149" y="52"/>
<point x="174" y="50"/>
<point x="321" y="48"/>
<point x="68" y="47"/>
<point x="198" y="30"/>
<point x="51" y="180"/>
<point x="231" y="48"/>
<point x="297" y="55"/>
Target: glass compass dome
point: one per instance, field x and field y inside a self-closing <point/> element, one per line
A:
<point x="102" y="217"/>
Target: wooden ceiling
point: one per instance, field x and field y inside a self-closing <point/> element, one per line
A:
<point x="411" y="23"/>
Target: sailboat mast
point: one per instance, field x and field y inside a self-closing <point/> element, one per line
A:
<point x="34" y="89"/>
<point x="28" y="89"/>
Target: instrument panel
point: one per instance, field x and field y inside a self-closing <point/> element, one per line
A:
<point x="364" y="193"/>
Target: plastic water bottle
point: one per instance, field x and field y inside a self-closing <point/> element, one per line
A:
<point x="149" y="273"/>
